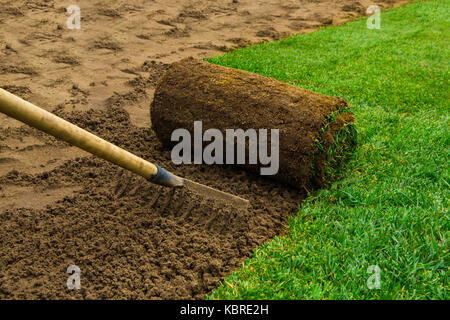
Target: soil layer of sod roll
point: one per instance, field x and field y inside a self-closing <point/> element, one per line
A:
<point x="315" y="131"/>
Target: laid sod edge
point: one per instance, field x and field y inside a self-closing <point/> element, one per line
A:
<point x="391" y="207"/>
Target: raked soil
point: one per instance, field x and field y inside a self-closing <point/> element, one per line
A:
<point x="60" y="207"/>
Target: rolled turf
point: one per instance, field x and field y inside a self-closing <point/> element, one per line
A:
<point x="316" y="132"/>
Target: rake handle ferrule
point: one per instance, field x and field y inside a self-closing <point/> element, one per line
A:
<point x="165" y="178"/>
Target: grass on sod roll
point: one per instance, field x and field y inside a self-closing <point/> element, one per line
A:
<point x="390" y="208"/>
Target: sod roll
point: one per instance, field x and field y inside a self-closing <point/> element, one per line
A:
<point x="316" y="132"/>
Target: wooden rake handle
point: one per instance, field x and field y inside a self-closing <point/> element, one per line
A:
<point x="38" y="118"/>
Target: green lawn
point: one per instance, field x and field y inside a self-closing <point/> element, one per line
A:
<point x="390" y="208"/>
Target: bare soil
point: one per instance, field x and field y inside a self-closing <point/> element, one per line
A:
<point x="59" y="206"/>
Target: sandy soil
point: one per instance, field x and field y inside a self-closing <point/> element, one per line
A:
<point x="59" y="206"/>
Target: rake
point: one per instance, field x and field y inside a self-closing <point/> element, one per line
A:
<point x="45" y="121"/>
